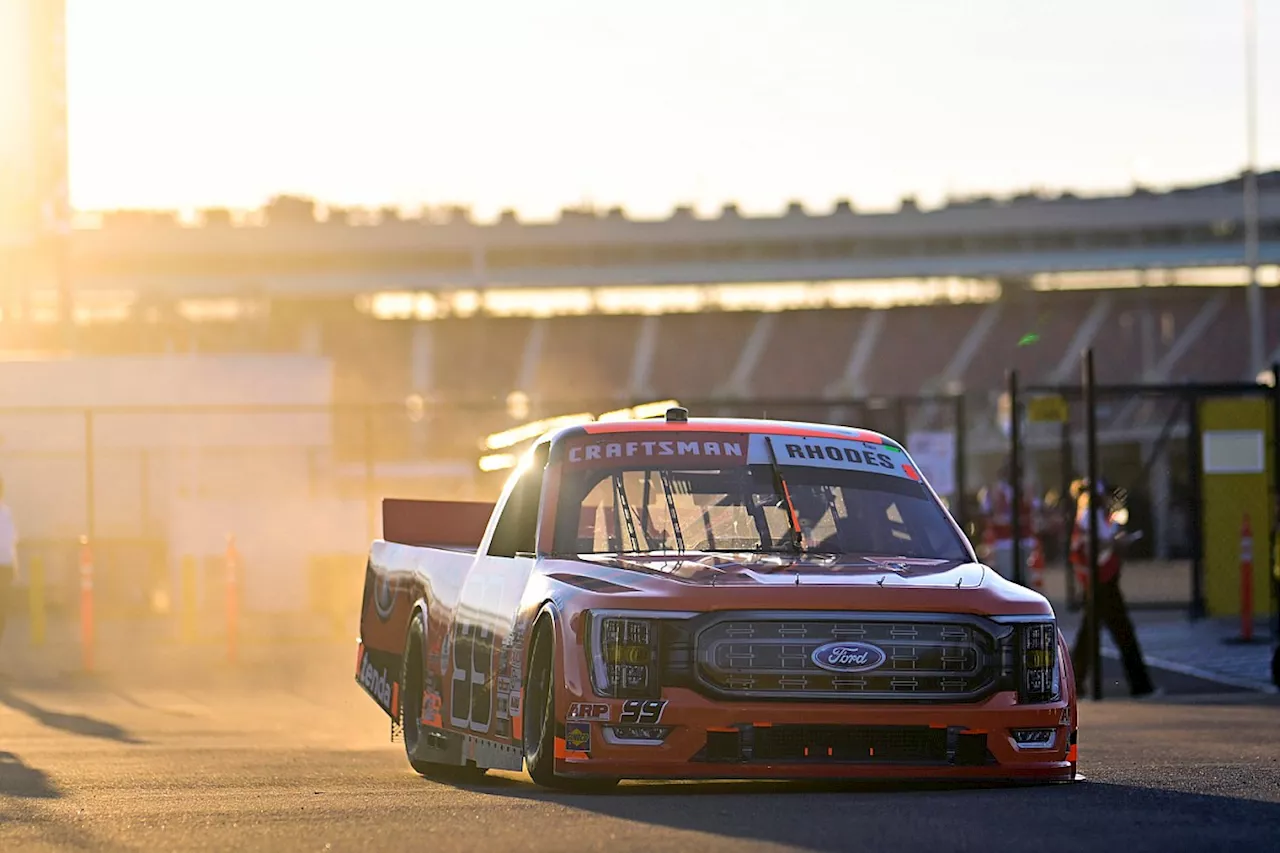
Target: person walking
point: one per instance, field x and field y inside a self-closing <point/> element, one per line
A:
<point x="8" y="560"/>
<point x="1111" y="609"/>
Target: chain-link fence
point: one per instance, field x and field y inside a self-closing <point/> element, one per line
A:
<point x="157" y="491"/>
<point x="1149" y="461"/>
<point x="1145" y="463"/>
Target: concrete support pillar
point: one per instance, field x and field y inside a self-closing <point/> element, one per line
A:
<point x="421" y="358"/>
<point x="642" y="358"/>
<point x="421" y="379"/>
<point x="532" y="356"/>
<point x="311" y="338"/>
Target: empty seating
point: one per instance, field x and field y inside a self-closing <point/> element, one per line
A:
<point x="585" y="361"/>
<point x="473" y="363"/>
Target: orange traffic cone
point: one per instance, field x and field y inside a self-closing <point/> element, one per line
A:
<point x="233" y="599"/>
<point x="1246" y="581"/>
<point x="86" y="605"/>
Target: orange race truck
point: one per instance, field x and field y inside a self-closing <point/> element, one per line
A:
<point x="709" y="598"/>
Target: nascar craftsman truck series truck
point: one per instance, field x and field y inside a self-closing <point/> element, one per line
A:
<point x="703" y="598"/>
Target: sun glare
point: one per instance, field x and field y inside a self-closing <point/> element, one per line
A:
<point x="537" y="107"/>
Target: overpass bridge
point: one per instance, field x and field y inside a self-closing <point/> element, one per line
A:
<point x="291" y="254"/>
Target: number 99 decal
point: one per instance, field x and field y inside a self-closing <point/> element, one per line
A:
<point x="472" y="691"/>
<point x="642" y="712"/>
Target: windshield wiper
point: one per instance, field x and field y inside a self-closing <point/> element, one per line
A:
<point x="665" y="476"/>
<point x="780" y="483"/>
<point x="624" y="507"/>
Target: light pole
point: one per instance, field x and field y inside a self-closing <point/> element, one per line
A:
<point x="1257" y="357"/>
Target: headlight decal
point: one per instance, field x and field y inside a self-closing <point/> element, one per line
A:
<point x="624" y="651"/>
<point x="627" y="650"/>
<point x="1037" y="662"/>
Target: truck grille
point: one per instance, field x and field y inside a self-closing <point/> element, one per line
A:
<point x="900" y="659"/>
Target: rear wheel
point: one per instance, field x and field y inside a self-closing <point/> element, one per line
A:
<point x="412" y="682"/>
<point x="540" y="719"/>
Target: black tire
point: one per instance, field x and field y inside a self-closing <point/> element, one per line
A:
<point x="540" y="719"/>
<point x="411" y="679"/>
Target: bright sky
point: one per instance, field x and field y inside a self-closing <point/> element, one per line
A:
<point x="535" y="104"/>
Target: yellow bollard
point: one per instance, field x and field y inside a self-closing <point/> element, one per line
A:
<point x="35" y="600"/>
<point x="188" y="599"/>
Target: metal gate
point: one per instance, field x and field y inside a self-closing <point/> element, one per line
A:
<point x="1150" y="446"/>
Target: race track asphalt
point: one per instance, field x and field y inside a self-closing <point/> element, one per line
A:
<point x="282" y="762"/>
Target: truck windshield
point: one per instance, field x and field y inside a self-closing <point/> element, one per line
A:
<point x="840" y="509"/>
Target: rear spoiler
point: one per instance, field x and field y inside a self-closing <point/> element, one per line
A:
<point x="445" y="524"/>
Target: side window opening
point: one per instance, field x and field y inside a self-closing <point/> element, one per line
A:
<point x="517" y="528"/>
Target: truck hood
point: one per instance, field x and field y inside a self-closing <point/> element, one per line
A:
<point x="755" y="569"/>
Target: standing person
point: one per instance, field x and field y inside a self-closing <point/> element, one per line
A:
<point x="997" y="513"/>
<point x="1111" y="608"/>
<point x="8" y="560"/>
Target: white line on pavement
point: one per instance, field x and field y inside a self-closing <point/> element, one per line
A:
<point x="1196" y="672"/>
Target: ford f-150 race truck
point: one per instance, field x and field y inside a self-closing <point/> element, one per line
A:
<point x="710" y="598"/>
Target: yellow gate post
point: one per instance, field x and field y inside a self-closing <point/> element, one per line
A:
<point x="1235" y="466"/>
<point x="35" y="601"/>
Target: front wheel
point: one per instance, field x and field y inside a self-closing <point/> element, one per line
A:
<point x="540" y="719"/>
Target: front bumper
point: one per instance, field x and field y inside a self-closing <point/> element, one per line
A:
<point x="771" y="740"/>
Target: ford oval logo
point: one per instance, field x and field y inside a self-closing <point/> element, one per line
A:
<point x="848" y="657"/>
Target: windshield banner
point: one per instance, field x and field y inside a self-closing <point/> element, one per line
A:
<point x="726" y="450"/>
<point x="842" y="454"/>
<point x="693" y="450"/>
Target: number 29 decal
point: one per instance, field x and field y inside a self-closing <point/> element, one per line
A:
<point x="642" y="712"/>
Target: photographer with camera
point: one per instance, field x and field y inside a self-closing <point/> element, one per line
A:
<point x="1111" y="609"/>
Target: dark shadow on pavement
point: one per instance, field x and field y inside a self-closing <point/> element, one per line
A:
<point x="20" y="780"/>
<point x="77" y="724"/>
<point x="829" y="816"/>
<point x="1116" y="686"/>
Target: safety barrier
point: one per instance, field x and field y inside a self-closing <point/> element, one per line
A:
<point x="197" y="608"/>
